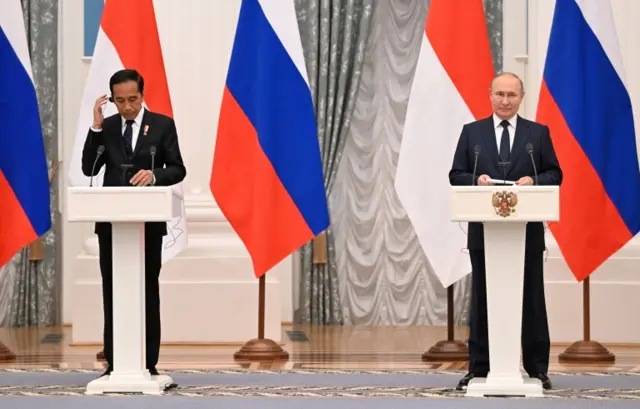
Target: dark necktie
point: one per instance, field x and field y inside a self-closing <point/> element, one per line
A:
<point x="504" y="142"/>
<point x="128" y="136"/>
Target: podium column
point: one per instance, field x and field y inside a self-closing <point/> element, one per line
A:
<point x="129" y="326"/>
<point x="504" y="244"/>
<point x="129" y="335"/>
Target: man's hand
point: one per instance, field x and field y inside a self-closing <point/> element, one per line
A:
<point x="142" y="178"/>
<point x="98" y="117"/>
<point x="483" y="180"/>
<point x="524" y="181"/>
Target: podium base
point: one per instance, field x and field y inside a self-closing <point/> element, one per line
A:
<point x="512" y="386"/>
<point x="447" y="351"/>
<point x="129" y="383"/>
<point x="586" y="351"/>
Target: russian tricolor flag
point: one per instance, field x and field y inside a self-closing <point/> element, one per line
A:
<point x="585" y="102"/>
<point x="24" y="181"/>
<point x="267" y="172"/>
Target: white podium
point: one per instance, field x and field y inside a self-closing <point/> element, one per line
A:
<point x="127" y="208"/>
<point x="505" y="212"/>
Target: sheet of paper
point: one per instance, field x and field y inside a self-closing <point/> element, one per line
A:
<point x="501" y="182"/>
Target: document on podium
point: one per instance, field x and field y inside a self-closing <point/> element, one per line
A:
<point x="501" y="182"/>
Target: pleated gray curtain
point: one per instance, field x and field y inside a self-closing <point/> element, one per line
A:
<point x="29" y="288"/>
<point x="384" y="275"/>
<point x="334" y="36"/>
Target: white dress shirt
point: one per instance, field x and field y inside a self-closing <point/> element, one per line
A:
<point x="135" y="127"/>
<point x="497" y="126"/>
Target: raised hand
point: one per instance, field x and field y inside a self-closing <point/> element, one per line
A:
<point x="98" y="116"/>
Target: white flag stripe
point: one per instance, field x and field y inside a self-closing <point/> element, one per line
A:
<point x="12" y="24"/>
<point x="436" y="113"/>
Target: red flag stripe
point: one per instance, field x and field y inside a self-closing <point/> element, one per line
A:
<point x="139" y="47"/>
<point x="457" y="31"/>
<point x="15" y="226"/>
<point x="248" y="185"/>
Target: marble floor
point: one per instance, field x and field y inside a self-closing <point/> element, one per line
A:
<point x="309" y="347"/>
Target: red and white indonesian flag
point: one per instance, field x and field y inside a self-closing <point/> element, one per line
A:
<point x="128" y="38"/>
<point x="450" y="88"/>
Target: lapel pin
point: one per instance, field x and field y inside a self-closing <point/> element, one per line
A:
<point x="146" y="129"/>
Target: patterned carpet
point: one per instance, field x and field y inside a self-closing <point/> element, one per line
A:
<point x="323" y="392"/>
<point x="598" y="386"/>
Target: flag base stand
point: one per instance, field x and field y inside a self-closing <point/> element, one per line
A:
<point x="586" y="350"/>
<point x="261" y="350"/>
<point x="6" y="355"/>
<point x="451" y="349"/>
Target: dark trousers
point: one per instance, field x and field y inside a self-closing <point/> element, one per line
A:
<point x="153" y="262"/>
<point x="535" y="328"/>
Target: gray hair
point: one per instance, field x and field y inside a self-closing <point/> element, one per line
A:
<point x="507" y="74"/>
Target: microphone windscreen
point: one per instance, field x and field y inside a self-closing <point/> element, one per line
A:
<point x="529" y="147"/>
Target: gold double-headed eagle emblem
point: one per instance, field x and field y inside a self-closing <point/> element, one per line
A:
<point x="504" y="203"/>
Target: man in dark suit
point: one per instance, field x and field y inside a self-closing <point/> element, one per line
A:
<point x="127" y="139"/>
<point x="504" y="137"/>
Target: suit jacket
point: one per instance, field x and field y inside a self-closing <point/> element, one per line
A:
<point x="168" y="166"/>
<point x="482" y="133"/>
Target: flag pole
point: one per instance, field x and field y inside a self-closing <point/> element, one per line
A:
<point x="586" y="350"/>
<point x="450" y="349"/>
<point x="261" y="348"/>
<point x="257" y="349"/>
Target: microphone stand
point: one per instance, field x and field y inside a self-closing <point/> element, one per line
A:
<point x="535" y="171"/>
<point x="99" y="152"/>
<point x="152" y="151"/>
<point x="475" y="164"/>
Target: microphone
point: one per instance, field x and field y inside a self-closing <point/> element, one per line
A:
<point x="476" y="152"/>
<point x="152" y="151"/>
<point x="533" y="162"/>
<point x="99" y="152"/>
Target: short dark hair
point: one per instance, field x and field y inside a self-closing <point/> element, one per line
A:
<point x="123" y="76"/>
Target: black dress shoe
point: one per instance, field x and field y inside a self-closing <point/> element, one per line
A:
<point x="464" y="382"/>
<point x="546" y="382"/>
<point x="107" y="372"/>
<point x="153" y="371"/>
